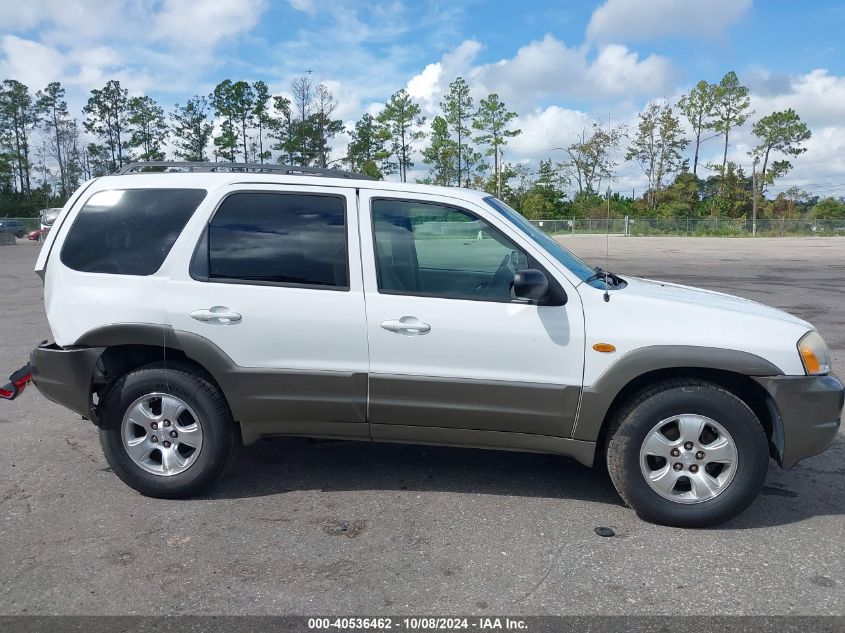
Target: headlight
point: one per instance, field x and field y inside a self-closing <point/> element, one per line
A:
<point x="814" y="354"/>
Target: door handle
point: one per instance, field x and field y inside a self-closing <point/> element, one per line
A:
<point x="406" y="325"/>
<point x="219" y="315"/>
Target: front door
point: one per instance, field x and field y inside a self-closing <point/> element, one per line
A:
<point x="449" y="346"/>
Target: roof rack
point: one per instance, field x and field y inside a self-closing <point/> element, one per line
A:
<point x="165" y="166"/>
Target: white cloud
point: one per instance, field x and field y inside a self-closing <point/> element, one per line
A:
<point x="160" y="46"/>
<point x="546" y="69"/>
<point x="545" y="131"/>
<point x="207" y="23"/>
<point x="426" y="85"/>
<point x="306" y="6"/>
<point x="819" y="99"/>
<point x="639" y="20"/>
<point x="30" y="62"/>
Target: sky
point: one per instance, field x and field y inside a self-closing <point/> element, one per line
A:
<point x="559" y="64"/>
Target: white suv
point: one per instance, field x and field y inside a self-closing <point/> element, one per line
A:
<point x="198" y="306"/>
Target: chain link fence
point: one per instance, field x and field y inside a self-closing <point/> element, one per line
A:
<point x="715" y="227"/>
<point x="13" y="228"/>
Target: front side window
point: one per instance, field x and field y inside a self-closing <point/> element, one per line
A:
<point x="128" y="231"/>
<point x="278" y="238"/>
<point x="436" y="250"/>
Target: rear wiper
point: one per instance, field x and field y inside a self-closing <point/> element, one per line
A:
<point x="604" y="276"/>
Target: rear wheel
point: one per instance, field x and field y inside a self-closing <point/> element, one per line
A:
<point x="687" y="453"/>
<point x="166" y="431"/>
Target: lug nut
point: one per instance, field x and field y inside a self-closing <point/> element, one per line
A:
<point x="154" y="426"/>
<point x="166" y="444"/>
<point x="167" y="423"/>
<point x="674" y="452"/>
<point x="688" y="446"/>
<point x="692" y="469"/>
<point x="173" y="434"/>
<point x="678" y="466"/>
<point x="154" y="439"/>
<point x="699" y="455"/>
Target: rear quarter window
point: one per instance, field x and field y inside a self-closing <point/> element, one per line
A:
<point x="128" y="231"/>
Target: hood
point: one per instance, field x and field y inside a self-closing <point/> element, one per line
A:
<point x="667" y="291"/>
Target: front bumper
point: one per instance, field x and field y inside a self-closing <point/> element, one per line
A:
<point x="64" y="375"/>
<point x="806" y="413"/>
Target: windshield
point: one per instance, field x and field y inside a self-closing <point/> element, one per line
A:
<point x="550" y="245"/>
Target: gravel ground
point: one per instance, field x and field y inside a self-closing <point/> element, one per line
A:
<point x="340" y="527"/>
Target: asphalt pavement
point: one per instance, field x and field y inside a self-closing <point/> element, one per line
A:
<point x="302" y="527"/>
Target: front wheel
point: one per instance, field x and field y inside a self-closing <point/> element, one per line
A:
<point x="687" y="453"/>
<point x="166" y="431"/>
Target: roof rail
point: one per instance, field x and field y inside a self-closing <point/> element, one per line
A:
<point x="165" y="166"/>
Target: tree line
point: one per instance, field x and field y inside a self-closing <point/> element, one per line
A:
<point x="44" y="154"/>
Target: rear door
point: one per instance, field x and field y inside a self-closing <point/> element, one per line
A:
<point x="449" y="346"/>
<point x="274" y="282"/>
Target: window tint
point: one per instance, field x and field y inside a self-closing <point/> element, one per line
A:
<point x="434" y="250"/>
<point x="128" y="232"/>
<point x="279" y="238"/>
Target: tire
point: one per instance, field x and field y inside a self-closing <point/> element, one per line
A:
<point x="705" y="492"/>
<point x="206" y="435"/>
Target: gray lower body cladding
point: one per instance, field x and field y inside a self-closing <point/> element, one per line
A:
<point x="64" y="375"/>
<point x="485" y="414"/>
<point x="806" y="413"/>
<point x="487" y="405"/>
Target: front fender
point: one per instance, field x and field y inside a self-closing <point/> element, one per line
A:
<point x="596" y="399"/>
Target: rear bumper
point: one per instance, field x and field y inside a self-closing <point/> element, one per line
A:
<point x="806" y="413"/>
<point x="64" y="375"/>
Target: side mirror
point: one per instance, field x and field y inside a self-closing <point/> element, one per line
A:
<point x="530" y="285"/>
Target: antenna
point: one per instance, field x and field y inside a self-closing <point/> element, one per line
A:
<point x="607" y="249"/>
<point x="607" y="234"/>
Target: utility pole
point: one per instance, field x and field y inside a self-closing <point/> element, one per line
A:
<point x="499" y="174"/>
<point x="754" y="198"/>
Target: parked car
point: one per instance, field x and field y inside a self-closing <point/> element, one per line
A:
<point x="194" y="311"/>
<point x="15" y="227"/>
<point x="38" y="235"/>
<point x="48" y="216"/>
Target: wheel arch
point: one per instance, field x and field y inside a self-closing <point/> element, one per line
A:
<point x="128" y="346"/>
<point x="730" y="369"/>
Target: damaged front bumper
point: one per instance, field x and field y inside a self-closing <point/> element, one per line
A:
<point x="806" y="412"/>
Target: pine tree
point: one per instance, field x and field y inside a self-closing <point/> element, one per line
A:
<point x="698" y="107"/>
<point x="281" y="128"/>
<point x="192" y="129"/>
<point x="441" y="154"/>
<point x="366" y="149"/>
<point x="261" y="116"/>
<point x="106" y="113"/>
<point x="147" y="126"/>
<point x="492" y="121"/>
<point x="731" y="109"/>
<point x="458" y="111"/>
<point x="222" y="99"/>
<point x="18" y="119"/>
<point x="402" y="120"/>
<point x="52" y="107"/>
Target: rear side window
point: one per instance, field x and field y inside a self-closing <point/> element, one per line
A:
<point x="129" y="231"/>
<point x="277" y="238"/>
